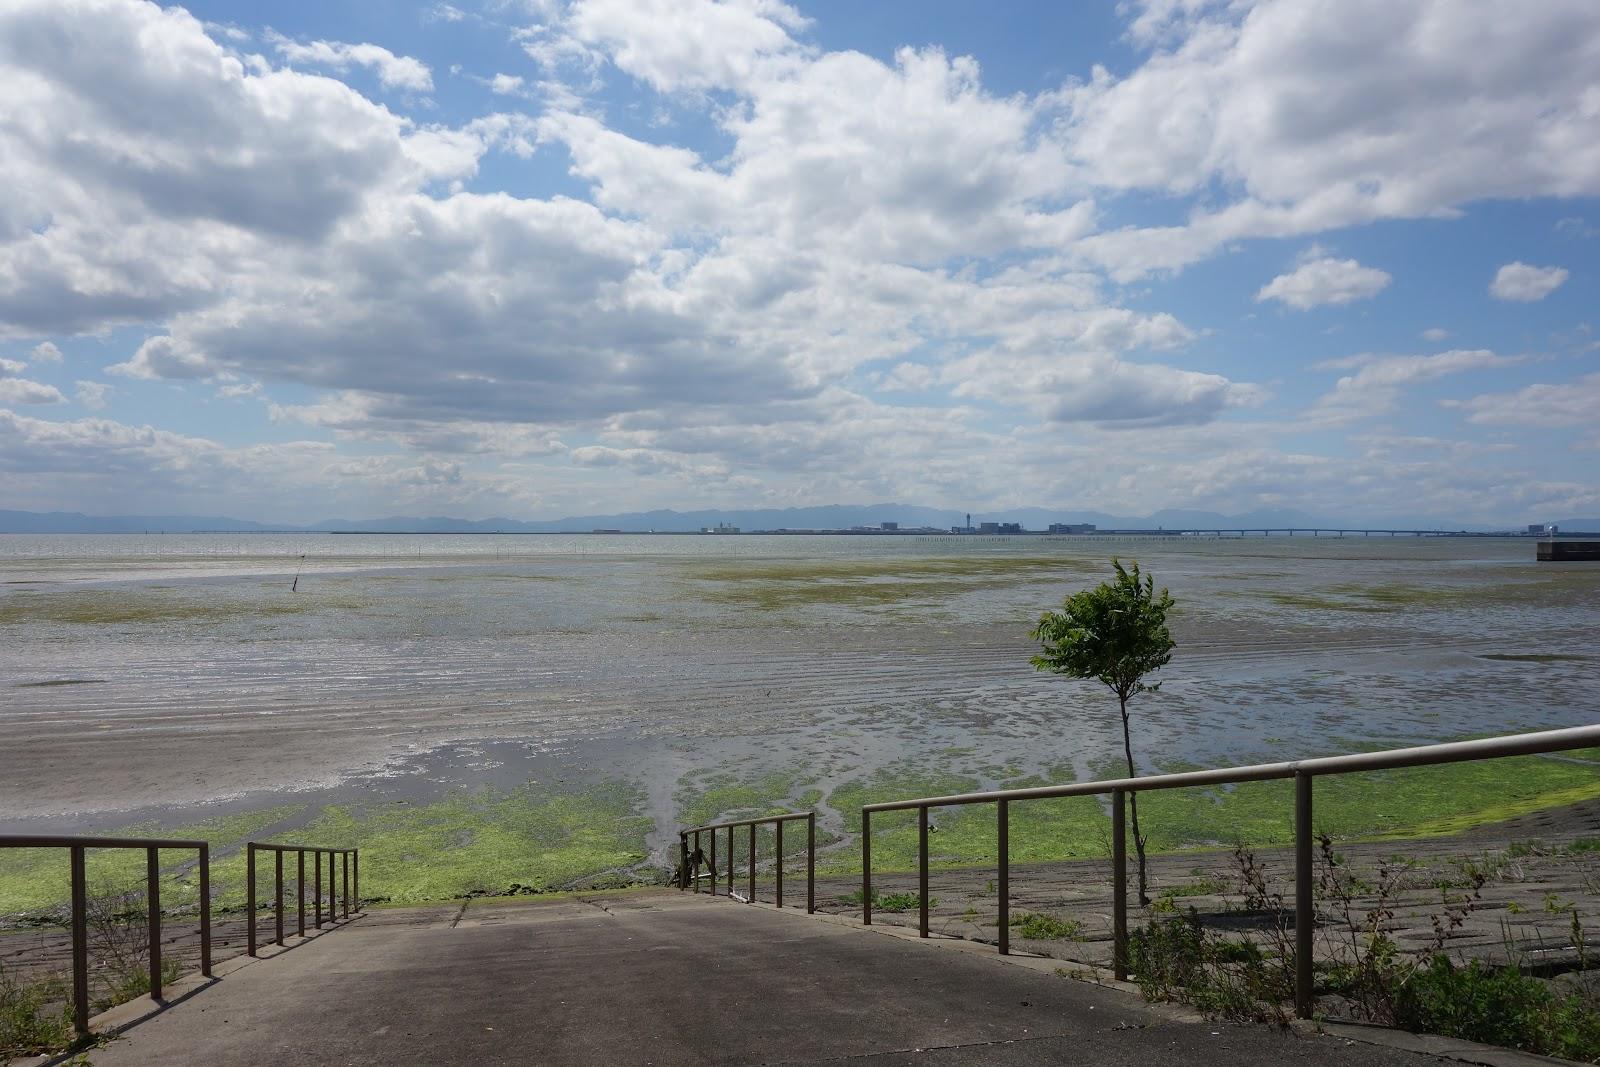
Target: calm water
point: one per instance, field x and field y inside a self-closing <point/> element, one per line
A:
<point x="141" y="672"/>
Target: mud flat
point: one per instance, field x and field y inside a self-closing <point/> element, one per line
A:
<point x="571" y="706"/>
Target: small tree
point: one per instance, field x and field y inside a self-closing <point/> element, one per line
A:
<point x="1115" y="633"/>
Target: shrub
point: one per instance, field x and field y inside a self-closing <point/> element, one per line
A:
<point x="1498" y="1006"/>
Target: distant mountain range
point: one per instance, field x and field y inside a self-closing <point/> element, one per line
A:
<point x="827" y="517"/>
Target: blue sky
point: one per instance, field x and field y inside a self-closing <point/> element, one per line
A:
<point x="559" y="257"/>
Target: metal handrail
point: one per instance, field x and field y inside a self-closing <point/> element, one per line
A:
<point x="1301" y="771"/>
<point x="80" y="905"/>
<point x="777" y="821"/>
<point x="349" y="858"/>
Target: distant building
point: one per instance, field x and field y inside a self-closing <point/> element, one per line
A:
<point x="720" y="528"/>
<point x="1000" y="528"/>
<point x="1543" y="529"/>
<point x="1072" y="527"/>
<point x="888" y="525"/>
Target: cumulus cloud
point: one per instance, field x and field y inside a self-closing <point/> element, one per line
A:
<point x="744" y="321"/>
<point x="1520" y="282"/>
<point x="23" y="391"/>
<point x="91" y="394"/>
<point x="1313" y="116"/>
<point x="1435" y="333"/>
<point x="394" y="72"/>
<point x="1325" y="281"/>
<point x="45" y="352"/>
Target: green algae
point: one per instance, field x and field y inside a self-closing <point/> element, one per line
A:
<point x="489" y="842"/>
<point x="1398" y="804"/>
<point x="148" y="605"/>
<point x="36" y="879"/>
<point x="772" y="586"/>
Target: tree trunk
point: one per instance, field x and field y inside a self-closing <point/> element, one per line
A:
<point x="1133" y="801"/>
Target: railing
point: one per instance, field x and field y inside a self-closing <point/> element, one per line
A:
<point x="1303" y="772"/>
<point x="687" y="868"/>
<point x="80" y="906"/>
<point x="349" y="858"/>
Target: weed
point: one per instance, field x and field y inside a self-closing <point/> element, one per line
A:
<point x="1038" y="927"/>
<point x="35" y="1017"/>
<point x="889" y="901"/>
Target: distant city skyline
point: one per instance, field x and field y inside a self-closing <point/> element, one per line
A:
<point x="586" y="257"/>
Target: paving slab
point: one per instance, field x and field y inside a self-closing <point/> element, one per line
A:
<point x="669" y="978"/>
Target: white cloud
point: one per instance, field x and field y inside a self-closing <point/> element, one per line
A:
<point x="1325" y="281"/>
<point x="1435" y="333"/>
<point x="394" y="72"/>
<point x="12" y="366"/>
<point x="1310" y="116"/>
<point x="1375" y="387"/>
<point x="45" y="352"/>
<point x="506" y="84"/>
<point x="1540" y="405"/>
<point x="92" y="395"/>
<point x="700" y="325"/>
<point x="23" y="391"/>
<point x="1520" y="282"/>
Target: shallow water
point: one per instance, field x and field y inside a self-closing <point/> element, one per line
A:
<point x="159" y="673"/>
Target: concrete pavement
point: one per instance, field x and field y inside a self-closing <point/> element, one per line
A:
<point x="669" y="978"/>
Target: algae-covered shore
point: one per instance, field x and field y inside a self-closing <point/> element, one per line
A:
<point x="484" y="715"/>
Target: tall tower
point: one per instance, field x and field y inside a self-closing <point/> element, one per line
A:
<point x="969" y="520"/>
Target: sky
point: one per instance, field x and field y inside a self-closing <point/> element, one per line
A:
<point x="535" y="258"/>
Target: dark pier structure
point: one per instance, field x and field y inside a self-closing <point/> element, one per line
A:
<point x="1567" y="551"/>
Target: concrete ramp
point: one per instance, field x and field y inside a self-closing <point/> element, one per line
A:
<point x="670" y="978"/>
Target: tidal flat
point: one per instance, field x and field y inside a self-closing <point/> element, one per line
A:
<point x="488" y="715"/>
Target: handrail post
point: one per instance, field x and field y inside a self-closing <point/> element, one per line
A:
<point x="300" y="888"/>
<point x="333" y="886"/>
<point x="866" y="867"/>
<point x="1304" y="911"/>
<point x="1119" y="884"/>
<point x="1003" y="830"/>
<point x="205" y="909"/>
<point x="730" y="861"/>
<point x="922" y="870"/>
<point x="355" y="877"/>
<point x="811" y="863"/>
<point x="80" y="944"/>
<point x="777" y="868"/>
<point x="316" y="889"/>
<point x="345" y="867"/>
<point x="250" y="897"/>
<point x="752" y="858"/>
<point x="711" y="863"/>
<point x="683" y="862"/>
<point x="152" y="895"/>
<point x="277" y="867"/>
